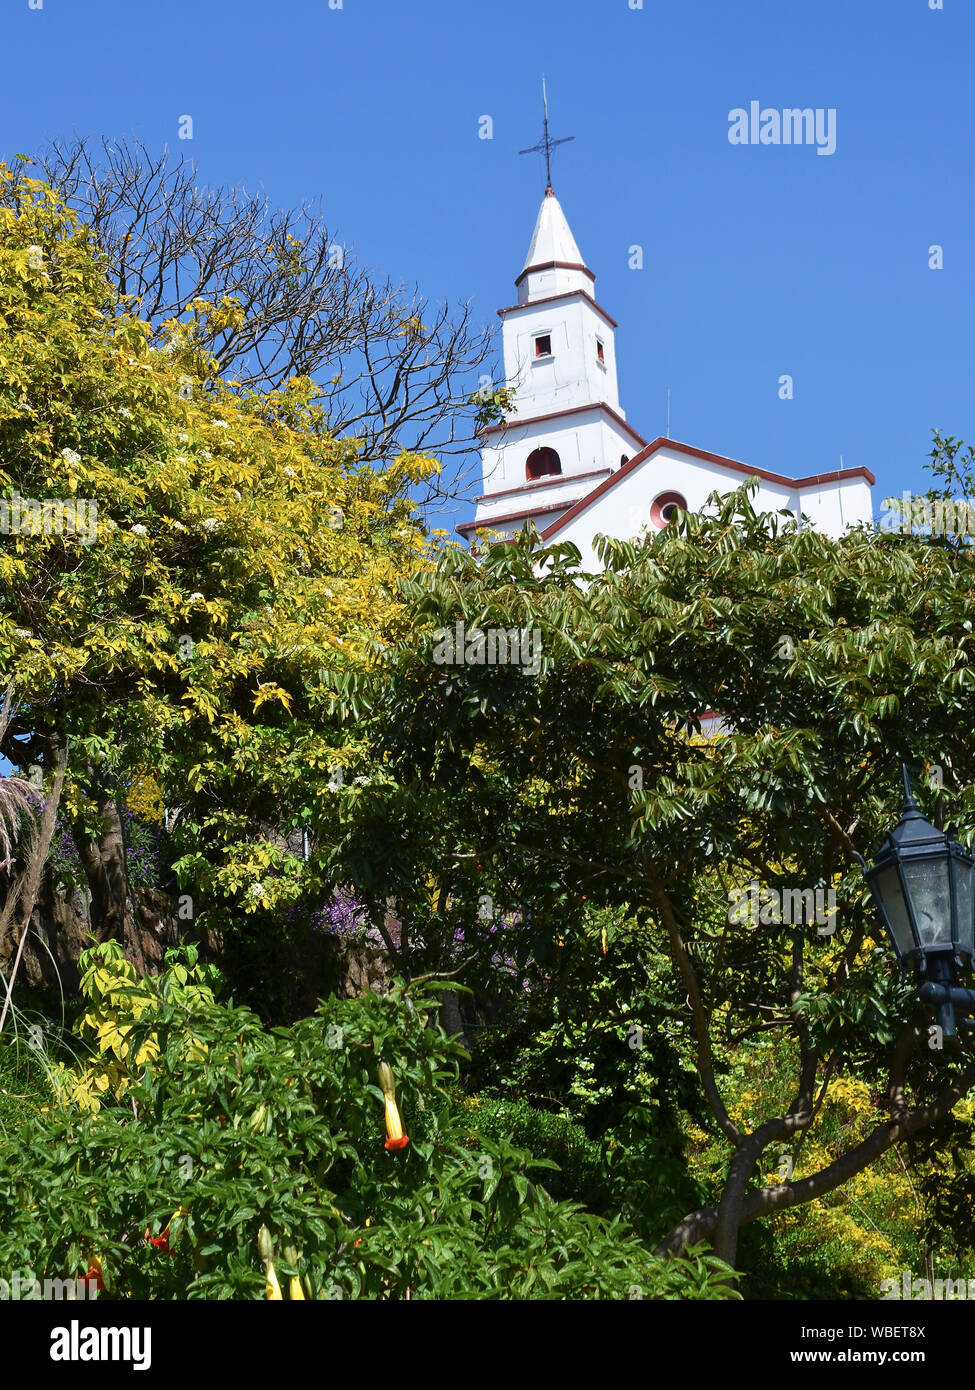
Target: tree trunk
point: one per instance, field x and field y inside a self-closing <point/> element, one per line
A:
<point x="103" y="860"/>
<point x="728" y="1219"/>
<point x="450" y="1019"/>
<point x="743" y="1207"/>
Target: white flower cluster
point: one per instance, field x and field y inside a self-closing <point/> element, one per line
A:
<point x="70" y="457"/>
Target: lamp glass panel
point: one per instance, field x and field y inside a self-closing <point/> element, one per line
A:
<point x="926" y="881"/>
<point x="961" y="875"/>
<point x="887" y="890"/>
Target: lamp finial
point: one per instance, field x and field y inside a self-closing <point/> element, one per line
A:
<point x="910" y="803"/>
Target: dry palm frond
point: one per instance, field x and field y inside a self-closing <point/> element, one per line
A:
<point x="17" y="797"/>
<point x="23" y="894"/>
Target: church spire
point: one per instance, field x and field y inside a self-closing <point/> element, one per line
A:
<point x="554" y="263"/>
<point x="567" y="433"/>
<point x="552" y="240"/>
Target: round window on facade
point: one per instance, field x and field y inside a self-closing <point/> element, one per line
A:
<point x="541" y="462"/>
<point x="662" y="508"/>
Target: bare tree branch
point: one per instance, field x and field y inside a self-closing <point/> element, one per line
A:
<point x="393" y="370"/>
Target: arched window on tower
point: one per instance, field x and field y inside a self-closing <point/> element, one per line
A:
<point x="541" y="462"/>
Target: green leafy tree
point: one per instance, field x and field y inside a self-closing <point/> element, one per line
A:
<point x="832" y="661"/>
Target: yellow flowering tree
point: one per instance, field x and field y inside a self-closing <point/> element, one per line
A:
<point x="190" y="574"/>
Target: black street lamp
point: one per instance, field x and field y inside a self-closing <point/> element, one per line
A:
<point x="923" y="883"/>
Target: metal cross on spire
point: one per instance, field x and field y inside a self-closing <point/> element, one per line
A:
<point x="546" y="145"/>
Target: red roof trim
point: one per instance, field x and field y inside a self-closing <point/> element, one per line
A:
<point x="835" y="477"/>
<point x="551" y="298"/>
<point x="496" y="521"/>
<point x="572" y="410"/>
<point x="796" y="484"/>
<point x="661" y="442"/>
<point x="555" y="265"/>
<point x="543" y="483"/>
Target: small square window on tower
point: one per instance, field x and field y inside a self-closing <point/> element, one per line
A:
<point x="543" y="345"/>
<point x="600" y="352"/>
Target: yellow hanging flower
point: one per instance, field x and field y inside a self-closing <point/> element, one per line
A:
<point x="265" y="1247"/>
<point x="395" y="1138"/>
<point x="294" y="1286"/>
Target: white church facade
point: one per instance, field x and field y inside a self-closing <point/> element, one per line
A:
<point x="568" y="460"/>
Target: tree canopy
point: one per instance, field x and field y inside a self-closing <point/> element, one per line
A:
<point x="590" y="783"/>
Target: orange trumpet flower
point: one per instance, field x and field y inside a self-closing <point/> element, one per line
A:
<point x="395" y="1138"/>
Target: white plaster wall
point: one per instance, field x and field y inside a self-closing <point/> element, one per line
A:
<point x="573" y="375"/>
<point x="835" y="506"/>
<point x="583" y="442"/>
<point x="556" y="280"/>
<point x="543" y="494"/>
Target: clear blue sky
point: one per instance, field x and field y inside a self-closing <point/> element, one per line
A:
<point x="758" y="261"/>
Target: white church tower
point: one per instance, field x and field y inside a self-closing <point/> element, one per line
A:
<point x="569" y="432"/>
<point x="567" y="460"/>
